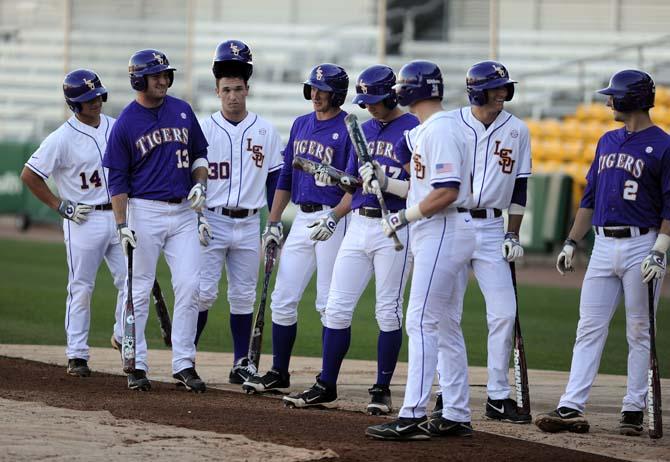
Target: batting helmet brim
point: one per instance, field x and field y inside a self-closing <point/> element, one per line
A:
<point x="89" y="95"/>
<point x="368" y="99"/>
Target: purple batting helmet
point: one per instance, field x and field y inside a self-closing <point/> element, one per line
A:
<point x="147" y="62"/>
<point x="375" y="84"/>
<point x="487" y="75"/>
<point x="419" y="80"/>
<point x="328" y="77"/>
<point x="630" y="90"/>
<point x="233" y="58"/>
<point x="82" y="85"/>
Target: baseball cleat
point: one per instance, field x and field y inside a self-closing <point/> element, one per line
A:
<point x="380" y="400"/>
<point x="242" y="371"/>
<point x="437" y="410"/>
<point x="401" y="430"/>
<point x="273" y="380"/>
<point x="319" y="395"/>
<point x="505" y="410"/>
<point x="563" y="419"/>
<point x="190" y="379"/>
<point x="631" y="423"/>
<point x="439" y="426"/>
<point x="78" y="367"/>
<point x="137" y="380"/>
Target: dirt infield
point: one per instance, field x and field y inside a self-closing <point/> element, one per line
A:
<point x="327" y="434"/>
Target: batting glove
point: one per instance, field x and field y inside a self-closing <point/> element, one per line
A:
<point x="321" y="176"/>
<point x="564" y="262"/>
<point x="511" y="248"/>
<point x="324" y="227"/>
<point x="127" y="237"/>
<point x="197" y="196"/>
<point x="73" y="211"/>
<point x="204" y="230"/>
<point x="369" y="172"/>
<point x="273" y="232"/>
<point x="393" y="222"/>
<point x="653" y="266"/>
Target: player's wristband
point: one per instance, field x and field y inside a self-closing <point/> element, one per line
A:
<point x="413" y="214"/>
<point x="662" y="243"/>
<point x="571" y="242"/>
<point x="121" y="225"/>
<point x="200" y="162"/>
<point x="397" y="187"/>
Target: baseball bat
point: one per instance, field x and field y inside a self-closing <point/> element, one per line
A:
<point x="520" y="365"/>
<point x="654" y="379"/>
<point x="361" y="147"/>
<point x="162" y="313"/>
<point x="128" y="343"/>
<point x="256" y="342"/>
<point x="346" y="182"/>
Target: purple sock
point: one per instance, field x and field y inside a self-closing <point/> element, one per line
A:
<point x="388" y="349"/>
<point x="335" y="346"/>
<point x="202" y="322"/>
<point x="240" y="326"/>
<point x="283" y="338"/>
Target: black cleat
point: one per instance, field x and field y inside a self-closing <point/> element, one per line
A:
<point x="190" y="379"/>
<point x="78" y="367"/>
<point x="137" y="380"/>
<point x="242" y="371"/>
<point x="631" y="423"/>
<point x="439" y="426"/>
<point x="505" y="410"/>
<point x="401" y="429"/>
<point x="563" y="419"/>
<point x="319" y="395"/>
<point x="380" y="400"/>
<point x="437" y="410"/>
<point x="273" y="380"/>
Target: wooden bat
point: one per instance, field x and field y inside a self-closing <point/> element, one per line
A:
<point x="256" y="341"/>
<point x="346" y="182"/>
<point x="361" y="147"/>
<point x="162" y="313"/>
<point x="520" y="365"/>
<point x="128" y="343"/>
<point x="654" y="410"/>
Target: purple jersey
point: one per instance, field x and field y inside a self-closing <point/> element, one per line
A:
<point x="629" y="180"/>
<point x="386" y="145"/>
<point x="324" y="141"/>
<point x="150" y="151"/>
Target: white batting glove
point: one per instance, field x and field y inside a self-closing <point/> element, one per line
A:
<point x="393" y="222"/>
<point x="511" y="248"/>
<point x="273" y="232"/>
<point x="368" y="172"/>
<point x="204" y="230"/>
<point x="322" y="176"/>
<point x="197" y="196"/>
<point x="324" y="227"/>
<point x="653" y="266"/>
<point x="73" y="211"/>
<point x="127" y="237"/>
<point x="564" y="261"/>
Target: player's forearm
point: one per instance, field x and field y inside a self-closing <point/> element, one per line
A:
<point x="39" y="188"/>
<point x="279" y="203"/>
<point x="343" y="207"/>
<point x="437" y="200"/>
<point x="120" y="207"/>
<point x="582" y="224"/>
<point x="514" y="223"/>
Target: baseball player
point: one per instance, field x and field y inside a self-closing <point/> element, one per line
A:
<point x="244" y="162"/>
<point x="157" y="164"/>
<point x="626" y="200"/>
<point x="442" y="239"/>
<point x="501" y="167"/>
<point x="365" y="251"/>
<point x="73" y="156"/>
<point x="315" y="236"/>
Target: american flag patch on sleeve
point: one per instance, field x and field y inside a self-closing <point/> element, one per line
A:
<point x="444" y="168"/>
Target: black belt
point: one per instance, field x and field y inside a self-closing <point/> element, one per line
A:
<point x="462" y="210"/>
<point x="103" y="207"/>
<point x="236" y="213"/>
<point x="619" y="232"/>
<point x="173" y="201"/>
<point x="371" y="212"/>
<point x="481" y="213"/>
<point x="309" y="208"/>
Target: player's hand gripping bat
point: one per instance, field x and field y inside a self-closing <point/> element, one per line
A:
<point x="162" y="313"/>
<point x="346" y="182"/>
<point x="520" y="365"/>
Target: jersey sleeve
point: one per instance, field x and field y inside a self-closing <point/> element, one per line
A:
<point x="588" y="198"/>
<point x="447" y="155"/>
<point x="352" y="162"/>
<point x="276" y="161"/>
<point x="117" y="158"/>
<point x="525" y="160"/>
<point x="402" y="151"/>
<point x="48" y="157"/>
<point x="665" y="185"/>
<point x="196" y="140"/>
<point x="285" y="180"/>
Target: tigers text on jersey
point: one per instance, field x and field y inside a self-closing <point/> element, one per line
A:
<point x="150" y="151"/>
<point x="240" y="158"/>
<point x="73" y="155"/>
<point x="629" y="180"/>
<point x="386" y="145"/>
<point x="323" y="141"/>
<point x="439" y="156"/>
<point x="499" y="154"/>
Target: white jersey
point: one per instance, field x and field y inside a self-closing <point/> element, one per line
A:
<point x="240" y="158"/>
<point x="73" y="155"/>
<point x="499" y="154"/>
<point x="439" y="156"/>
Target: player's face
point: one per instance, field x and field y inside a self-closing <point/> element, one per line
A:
<point x="157" y="85"/>
<point x="378" y="110"/>
<point x="233" y="93"/>
<point x="618" y="116"/>
<point x="320" y="100"/>
<point x="496" y="98"/>
<point x="91" y="108"/>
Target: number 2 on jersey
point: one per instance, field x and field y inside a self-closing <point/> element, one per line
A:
<point x="630" y="190"/>
<point x="92" y="180"/>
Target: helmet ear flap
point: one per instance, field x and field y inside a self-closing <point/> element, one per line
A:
<point x="391" y="101"/>
<point x="510" y="91"/>
<point x="307" y="91"/>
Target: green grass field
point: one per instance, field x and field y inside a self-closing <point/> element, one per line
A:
<point x="33" y="279"/>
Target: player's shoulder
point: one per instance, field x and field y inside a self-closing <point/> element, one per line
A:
<point x="303" y="119"/>
<point x="177" y="102"/>
<point x="408" y="120"/>
<point x="514" y="123"/>
<point x="262" y="123"/>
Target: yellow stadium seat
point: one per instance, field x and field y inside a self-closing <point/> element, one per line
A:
<point x="551" y="129"/>
<point x="572" y="130"/>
